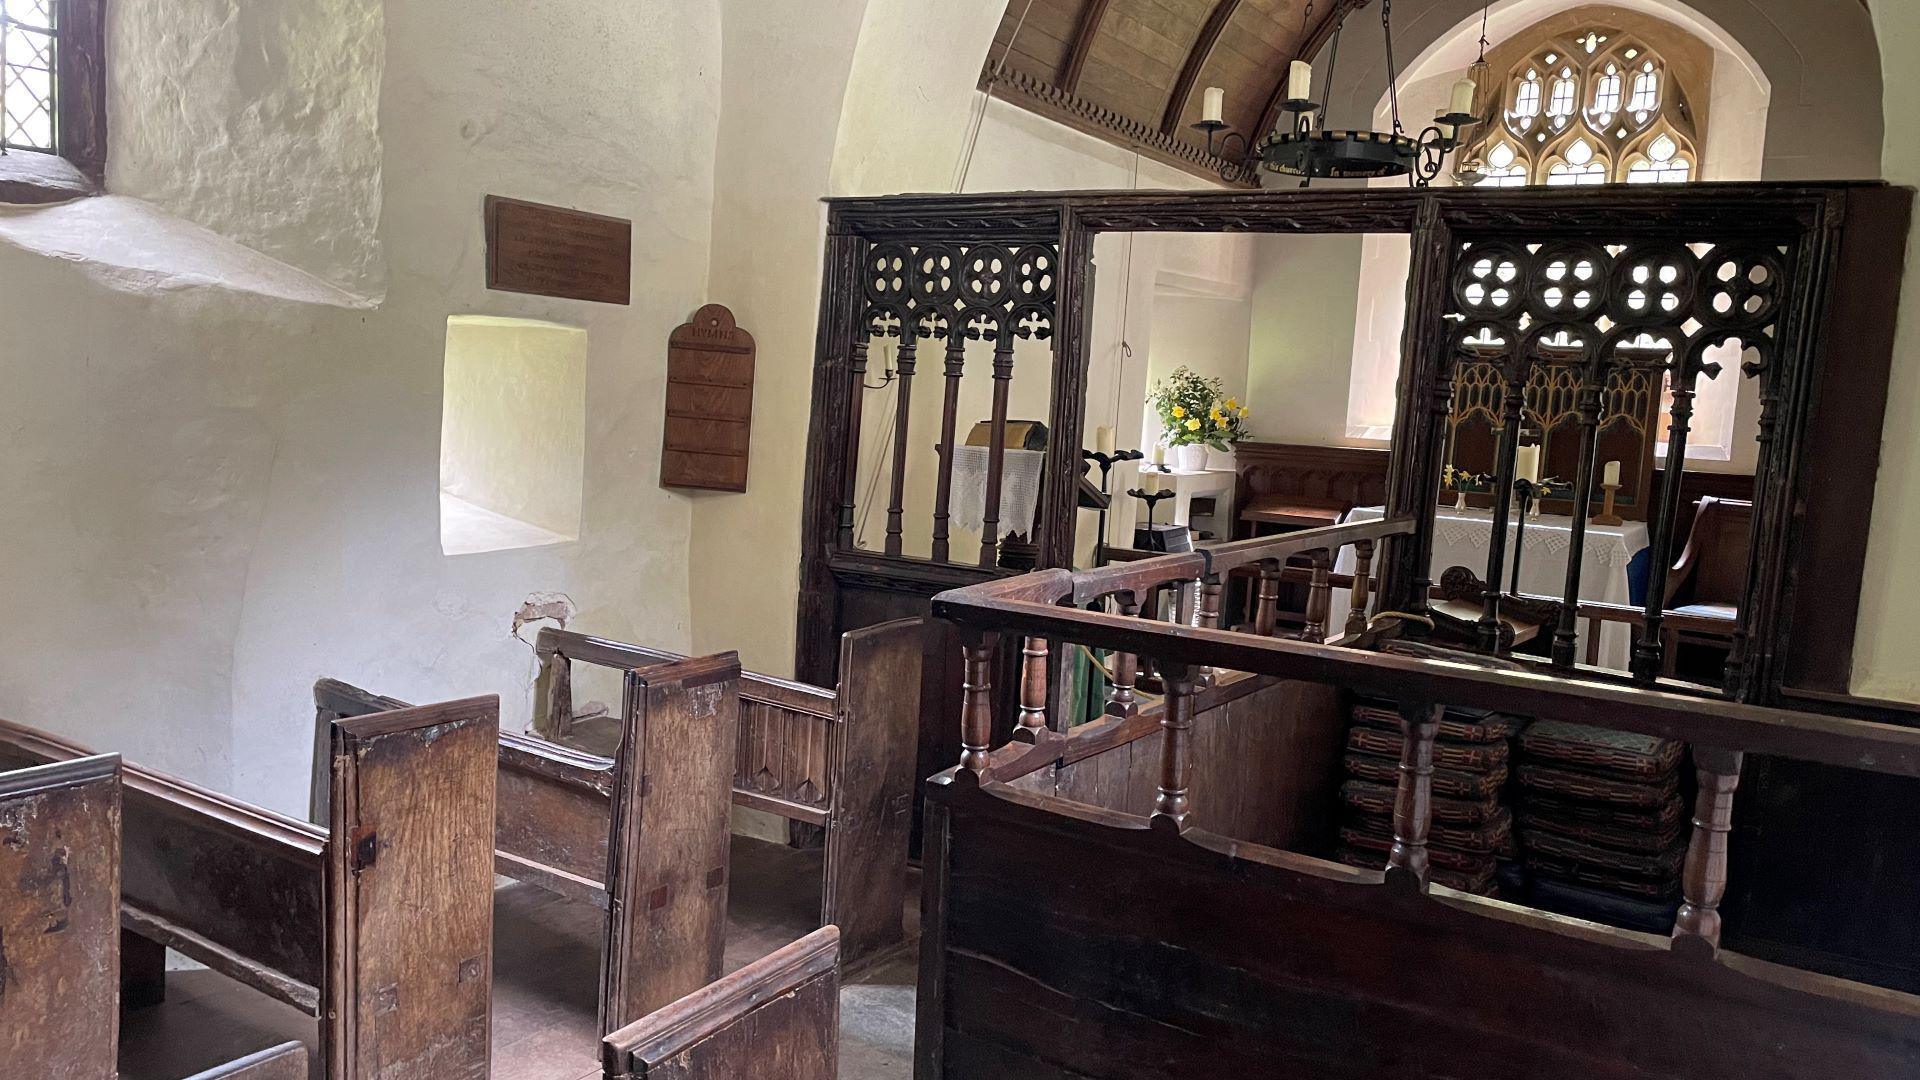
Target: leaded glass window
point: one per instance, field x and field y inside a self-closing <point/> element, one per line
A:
<point x="29" y="43"/>
<point x="1590" y="105"/>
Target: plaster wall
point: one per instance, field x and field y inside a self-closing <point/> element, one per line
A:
<point x="228" y="471"/>
<point x="1886" y="658"/>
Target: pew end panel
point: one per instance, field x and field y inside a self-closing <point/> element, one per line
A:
<point x="60" y="918"/>
<point x="778" y="1018"/>
<point x="410" y="880"/>
<point x="668" y="873"/>
<point x="874" y="750"/>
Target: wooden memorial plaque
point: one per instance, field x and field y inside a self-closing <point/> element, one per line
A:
<point x="709" y="403"/>
<point x="553" y="251"/>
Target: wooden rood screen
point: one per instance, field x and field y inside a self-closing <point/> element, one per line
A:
<point x="1064" y="939"/>
<point x="1792" y="289"/>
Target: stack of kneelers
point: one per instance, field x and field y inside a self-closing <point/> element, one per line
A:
<point x="1472" y="828"/>
<point x="1601" y="819"/>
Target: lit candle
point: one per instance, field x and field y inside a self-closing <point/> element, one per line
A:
<point x="1462" y="97"/>
<point x="1612" y="475"/>
<point x="1103" y="440"/>
<point x="1527" y="465"/>
<point x="1214" y="106"/>
<point x="1299" y="81"/>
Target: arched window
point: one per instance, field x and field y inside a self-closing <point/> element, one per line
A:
<point x="1595" y="104"/>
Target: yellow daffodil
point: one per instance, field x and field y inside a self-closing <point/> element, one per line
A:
<point x="1215" y="416"/>
<point x="1179" y="411"/>
<point x="1194" y="424"/>
<point x="1243" y="410"/>
<point x="1232" y="404"/>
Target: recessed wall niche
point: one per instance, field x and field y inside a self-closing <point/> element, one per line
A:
<point x="512" y="434"/>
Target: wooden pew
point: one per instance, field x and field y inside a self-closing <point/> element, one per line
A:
<point x="60" y="834"/>
<point x="643" y="835"/>
<point x="840" y="759"/>
<point x="778" y="1018"/>
<point x="60" y="918"/>
<point x="380" y="926"/>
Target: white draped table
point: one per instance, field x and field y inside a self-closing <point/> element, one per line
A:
<point x="1465" y="537"/>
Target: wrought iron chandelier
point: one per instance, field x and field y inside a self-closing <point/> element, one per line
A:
<point x="1312" y="151"/>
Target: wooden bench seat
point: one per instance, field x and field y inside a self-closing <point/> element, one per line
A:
<point x="642" y="835"/>
<point x="60" y="844"/>
<point x="379" y="926"/>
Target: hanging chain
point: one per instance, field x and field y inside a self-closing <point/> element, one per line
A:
<point x="1393" y="70"/>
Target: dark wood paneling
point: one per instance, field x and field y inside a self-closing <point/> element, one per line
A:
<point x="1143" y="955"/>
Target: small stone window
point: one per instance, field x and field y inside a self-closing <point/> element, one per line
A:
<point x="53" y="111"/>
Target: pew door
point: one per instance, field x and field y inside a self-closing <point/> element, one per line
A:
<point x="411" y="903"/>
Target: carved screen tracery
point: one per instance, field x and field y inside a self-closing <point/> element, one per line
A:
<point x="1600" y="103"/>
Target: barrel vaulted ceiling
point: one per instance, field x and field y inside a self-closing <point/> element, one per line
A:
<point x="1133" y="72"/>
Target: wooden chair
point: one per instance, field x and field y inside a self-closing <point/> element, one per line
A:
<point x="60" y="842"/>
<point x="642" y="834"/>
<point x="379" y="926"/>
<point x="1710" y="577"/>
<point x="778" y="1018"/>
<point x="840" y="759"/>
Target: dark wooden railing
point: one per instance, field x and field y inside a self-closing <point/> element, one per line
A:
<point x="1052" y="606"/>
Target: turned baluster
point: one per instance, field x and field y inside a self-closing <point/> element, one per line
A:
<point x="1211" y="593"/>
<point x="1266" y="609"/>
<point x="1704" y="881"/>
<point x="1319" y="597"/>
<point x="1125" y="665"/>
<point x="949" y="419"/>
<point x="1413" y="799"/>
<point x="903" y="366"/>
<point x="996" y="449"/>
<point x="976" y="703"/>
<point x="1176" y="750"/>
<point x="1033" y="690"/>
<point x="1362" y="583"/>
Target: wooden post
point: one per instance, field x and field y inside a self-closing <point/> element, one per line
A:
<point x="1413" y="801"/>
<point x="1512" y="416"/>
<point x="997" y="451"/>
<point x="1362" y="583"/>
<point x="1649" y="653"/>
<point x="1170" y="804"/>
<point x="1266" y="610"/>
<point x="1033" y="689"/>
<point x="856" y="402"/>
<point x="949" y="421"/>
<point x="903" y="365"/>
<point x="1319" y="597"/>
<point x="1704" y="882"/>
<point x="1211" y="590"/>
<point x="976" y="702"/>
<point x="559" y="717"/>
<point x="1126" y="667"/>
<point x="1566" y="636"/>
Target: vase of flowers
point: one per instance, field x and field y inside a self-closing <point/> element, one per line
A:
<point x="1196" y="416"/>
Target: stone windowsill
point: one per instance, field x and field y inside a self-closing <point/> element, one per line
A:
<point x="27" y="177"/>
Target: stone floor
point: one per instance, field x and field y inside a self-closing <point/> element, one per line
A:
<point x="546" y="967"/>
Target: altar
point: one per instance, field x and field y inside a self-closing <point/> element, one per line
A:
<point x="1465" y="538"/>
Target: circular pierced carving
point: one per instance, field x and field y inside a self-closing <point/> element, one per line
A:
<point x="935" y="274"/>
<point x="986" y="276"/>
<point x="1568" y="282"/>
<point x="1033" y="281"/>
<point x="888" y="270"/>
<point x="1654" y="285"/>
<point x="1739" y="288"/>
<point x="1481" y="342"/>
<point x="1489" y="281"/>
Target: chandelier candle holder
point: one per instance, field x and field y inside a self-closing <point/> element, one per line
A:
<point x="1310" y="150"/>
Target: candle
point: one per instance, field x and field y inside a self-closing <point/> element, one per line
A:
<point x="1215" y="105"/>
<point x="1448" y="131"/>
<point x="1462" y="102"/>
<point x="1103" y="440"/>
<point x="1527" y="464"/>
<point x="1159" y="454"/>
<point x="1299" y="80"/>
<point x="1612" y="475"/>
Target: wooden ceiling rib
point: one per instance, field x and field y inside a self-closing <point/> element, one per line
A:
<point x="1132" y="71"/>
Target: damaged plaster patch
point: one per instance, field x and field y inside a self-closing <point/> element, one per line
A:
<point x="542" y="607"/>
